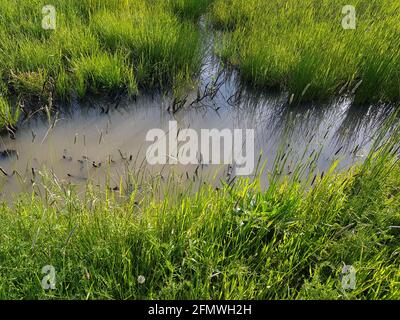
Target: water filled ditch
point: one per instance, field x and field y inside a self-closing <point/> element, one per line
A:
<point x="100" y="140"/>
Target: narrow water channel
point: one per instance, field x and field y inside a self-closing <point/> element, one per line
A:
<point x="100" y="138"/>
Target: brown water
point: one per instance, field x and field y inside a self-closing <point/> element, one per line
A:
<point x="87" y="144"/>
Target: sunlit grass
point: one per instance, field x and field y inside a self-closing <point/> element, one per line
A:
<point x="153" y="41"/>
<point x="190" y="9"/>
<point x="8" y="115"/>
<point x="300" y="46"/>
<point x="104" y="72"/>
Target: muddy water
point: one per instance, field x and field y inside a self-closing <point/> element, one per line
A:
<point x="98" y="139"/>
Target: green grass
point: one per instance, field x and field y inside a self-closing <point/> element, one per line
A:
<point x="289" y="241"/>
<point x="301" y="47"/>
<point x="189" y="9"/>
<point x="98" y="46"/>
<point x="8" y="115"/>
<point x="109" y="73"/>
<point x="159" y="48"/>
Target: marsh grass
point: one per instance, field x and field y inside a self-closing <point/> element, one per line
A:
<point x="8" y="115"/>
<point x="238" y="241"/>
<point x="189" y="9"/>
<point x="301" y="47"/>
<point x="98" y="46"/>
<point x="105" y="72"/>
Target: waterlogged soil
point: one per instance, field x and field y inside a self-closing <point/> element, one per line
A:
<point x="99" y="141"/>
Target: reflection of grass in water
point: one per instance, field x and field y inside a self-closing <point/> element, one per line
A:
<point x="289" y="241"/>
<point x="302" y="47"/>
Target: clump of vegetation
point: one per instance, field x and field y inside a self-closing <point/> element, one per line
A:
<point x="189" y="9"/>
<point x="105" y="72"/>
<point x="158" y="48"/>
<point x="302" y="47"/>
<point x="97" y="46"/>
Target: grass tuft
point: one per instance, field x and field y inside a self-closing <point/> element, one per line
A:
<point x="302" y="47"/>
